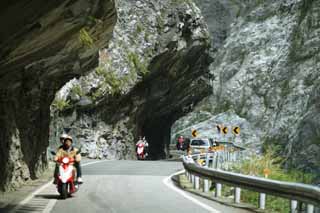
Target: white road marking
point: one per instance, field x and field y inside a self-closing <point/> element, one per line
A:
<point x="28" y="199"/>
<point x="51" y="204"/>
<point x="98" y="161"/>
<point x="167" y="181"/>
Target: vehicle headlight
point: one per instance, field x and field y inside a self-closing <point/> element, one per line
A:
<point x="65" y="160"/>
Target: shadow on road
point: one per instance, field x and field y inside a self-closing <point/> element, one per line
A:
<point x="48" y="196"/>
<point x="22" y="209"/>
<point x="6" y="208"/>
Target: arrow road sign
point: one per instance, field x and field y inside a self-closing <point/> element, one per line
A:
<point x="236" y="130"/>
<point x="194" y="133"/>
<point x="225" y="130"/>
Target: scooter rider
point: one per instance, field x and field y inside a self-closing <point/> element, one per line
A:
<point x="145" y="143"/>
<point x="66" y="149"/>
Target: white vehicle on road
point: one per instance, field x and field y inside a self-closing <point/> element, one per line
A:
<point x="201" y="144"/>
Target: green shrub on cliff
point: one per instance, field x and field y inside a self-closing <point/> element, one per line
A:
<point x="136" y="64"/>
<point x="111" y="80"/>
<point x="60" y="104"/>
<point x="85" y="38"/>
<point x="76" y="89"/>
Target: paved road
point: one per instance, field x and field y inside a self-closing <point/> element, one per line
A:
<point x="126" y="186"/>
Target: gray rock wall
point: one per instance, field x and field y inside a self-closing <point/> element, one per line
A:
<point x="41" y="48"/>
<point x="267" y="72"/>
<point x="169" y="40"/>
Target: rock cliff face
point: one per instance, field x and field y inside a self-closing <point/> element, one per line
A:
<point x="155" y="67"/>
<point x="266" y="72"/>
<point x="42" y="46"/>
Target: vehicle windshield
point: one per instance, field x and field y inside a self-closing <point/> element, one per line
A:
<point x="199" y="143"/>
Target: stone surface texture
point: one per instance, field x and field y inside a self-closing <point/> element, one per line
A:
<point x="155" y="65"/>
<point x="42" y="46"/>
<point x="266" y="72"/>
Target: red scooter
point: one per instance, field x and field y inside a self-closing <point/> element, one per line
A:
<point x="66" y="176"/>
<point x="66" y="185"/>
<point x="140" y="151"/>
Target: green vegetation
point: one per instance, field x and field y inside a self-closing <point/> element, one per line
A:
<point x="139" y="27"/>
<point x="60" y="104"/>
<point x="84" y="38"/>
<point x="136" y="64"/>
<point x="96" y="94"/>
<point x="113" y="83"/>
<point x="76" y="89"/>
<point x="257" y="165"/>
<point x="160" y="22"/>
<point x="285" y="88"/>
<point x="111" y="80"/>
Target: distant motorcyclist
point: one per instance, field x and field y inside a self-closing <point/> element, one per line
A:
<point x="145" y="143"/>
<point x="66" y="149"/>
<point x="180" y="143"/>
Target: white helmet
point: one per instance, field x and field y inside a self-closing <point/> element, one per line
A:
<point x="68" y="138"/>
<point x="63" y="136"/>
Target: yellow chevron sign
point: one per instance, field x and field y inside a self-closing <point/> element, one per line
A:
<point x="194" y="133"/>
<point x="225" y="130"/>
<point x="236" y="130"/>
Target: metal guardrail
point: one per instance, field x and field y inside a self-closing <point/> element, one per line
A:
<point x="293" y="191"/>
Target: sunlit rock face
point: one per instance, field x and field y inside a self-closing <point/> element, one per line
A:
<point x="42" y="46"/>
<point x="267" y="72"/>
<point x="155" y="66"/>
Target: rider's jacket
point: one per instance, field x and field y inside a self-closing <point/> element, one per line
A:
<point x="71" y="152"/>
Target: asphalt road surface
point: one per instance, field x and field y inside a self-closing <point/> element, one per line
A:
<point x="123" y="187"/>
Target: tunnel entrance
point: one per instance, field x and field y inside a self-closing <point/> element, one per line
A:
<point x="157" y="133"/>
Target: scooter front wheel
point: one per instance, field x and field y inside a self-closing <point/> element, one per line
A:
<point x="64" y="191"/>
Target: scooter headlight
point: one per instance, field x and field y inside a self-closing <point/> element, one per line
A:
<point x="65" y="160"/>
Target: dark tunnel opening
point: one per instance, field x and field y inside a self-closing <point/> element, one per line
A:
<point x="157" y="133"/>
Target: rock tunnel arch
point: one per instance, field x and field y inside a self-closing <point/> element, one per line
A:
<point x="177" y="81"/>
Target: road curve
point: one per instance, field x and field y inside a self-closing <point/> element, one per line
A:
<point x="130" y="186"/>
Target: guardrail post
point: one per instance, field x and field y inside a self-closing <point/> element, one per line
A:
<point x="188" y="175"/>
<point x="205" y="185"/>
<point x="293" y="206"/>
<point x="310" y="208"/>
<point x="217" y="161"/>
<point x="192" y="179"/>
<point x="214" y="159"/>
<point x="196" y="183"/>
<point x="207" y="159"/>
<point x="218" y="190"/>
<point x="262" y="201"/>
<point x="237" y="194"/>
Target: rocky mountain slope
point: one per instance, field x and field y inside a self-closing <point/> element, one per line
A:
<point x="155" y="65"/>
<point x="266" y="78"/>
